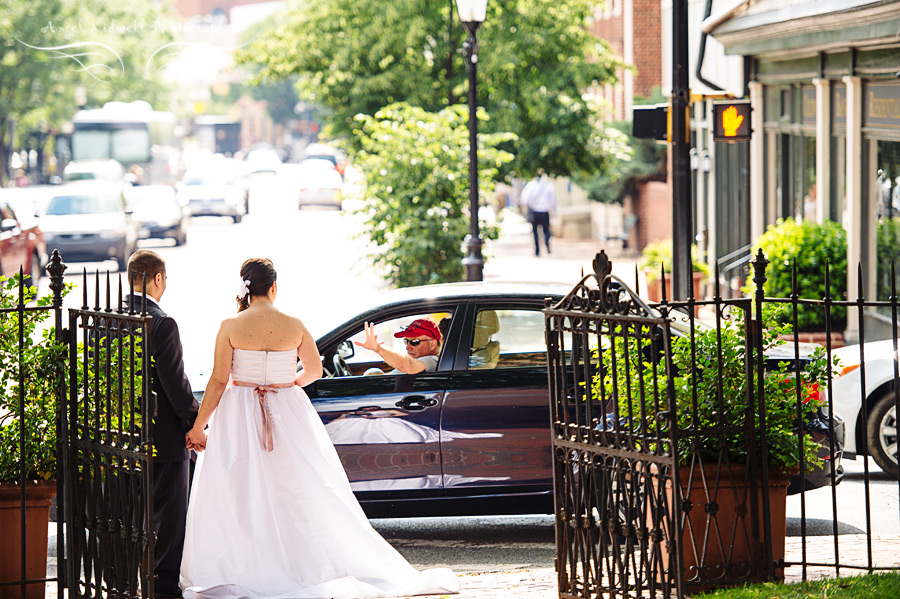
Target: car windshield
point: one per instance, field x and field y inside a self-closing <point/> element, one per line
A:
<point x="82" y="204"/>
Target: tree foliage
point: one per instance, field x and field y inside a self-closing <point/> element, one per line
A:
<point x="628" y="161"/>
<point x="536" y="60"/>
<point x="417" y="190"/>
<point x="49" y="48"/>
<point x="809" y="246"/>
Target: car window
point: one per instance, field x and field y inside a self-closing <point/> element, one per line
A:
<point x="508" y="338"/>
<point x="82" y="204"/>
<point x="364" y="361"/>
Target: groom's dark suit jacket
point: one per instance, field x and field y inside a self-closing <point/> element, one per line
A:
<point x="176" y="406"/>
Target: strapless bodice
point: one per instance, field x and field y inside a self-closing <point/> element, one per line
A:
<point x="264" y="367"/>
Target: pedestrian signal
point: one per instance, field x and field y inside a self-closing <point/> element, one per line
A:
<point x="651" y="122"/>
<point x="731" y="121"/>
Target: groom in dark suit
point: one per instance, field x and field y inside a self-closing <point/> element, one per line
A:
<point x="175" y="415"/>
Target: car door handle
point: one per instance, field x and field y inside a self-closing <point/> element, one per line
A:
<point x="414" y="403"/>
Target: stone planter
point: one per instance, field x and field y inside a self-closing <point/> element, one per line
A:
<point x="37" y="514"/>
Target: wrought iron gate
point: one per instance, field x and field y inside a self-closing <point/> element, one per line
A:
<point x="636" y="494"/>
<point x="107" y="421"/>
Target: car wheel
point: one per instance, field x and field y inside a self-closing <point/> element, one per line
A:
<point x="237" y="218"/>
<point x="881" y="430"/>
<point x="181" y="238"/>
<point x="122" y="261"/>
<point x="34" y="272"/>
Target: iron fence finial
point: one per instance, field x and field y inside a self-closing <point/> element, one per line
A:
<point x="55" y="269"/>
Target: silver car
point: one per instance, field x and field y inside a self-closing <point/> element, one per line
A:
<point x="89" y="221"/>
<point x="212" y="193"/>
<point x="158" y="213"/>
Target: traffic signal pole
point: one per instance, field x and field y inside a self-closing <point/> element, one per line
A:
<point x="682" y="219"/>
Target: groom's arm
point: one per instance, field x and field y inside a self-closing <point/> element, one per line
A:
<point x="169" y="357"/>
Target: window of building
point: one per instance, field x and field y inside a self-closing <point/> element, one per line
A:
<point x="886" y="197"/>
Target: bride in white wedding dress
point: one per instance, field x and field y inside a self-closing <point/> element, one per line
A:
<point x="271" y="511"/>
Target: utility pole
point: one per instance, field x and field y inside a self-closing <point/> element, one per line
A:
<point x="682" y="225"/>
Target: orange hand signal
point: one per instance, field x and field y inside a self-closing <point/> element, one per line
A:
<point x="731" y="121"/>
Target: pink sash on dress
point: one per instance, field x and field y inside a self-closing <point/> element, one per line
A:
<point x="261" y="391"/>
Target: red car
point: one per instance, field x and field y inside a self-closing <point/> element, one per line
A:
<point x="21" y="244"/>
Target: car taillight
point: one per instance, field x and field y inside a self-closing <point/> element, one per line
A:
<point x="849" y="369"/>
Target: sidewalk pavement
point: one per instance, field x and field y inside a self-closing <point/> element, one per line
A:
<point x="541" y="583"/>
<point x="511" y="257"/>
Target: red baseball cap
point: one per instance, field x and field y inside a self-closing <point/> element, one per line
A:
<point x="420" y="327"/>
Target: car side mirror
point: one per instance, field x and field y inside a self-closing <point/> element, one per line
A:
<point x="8" y="224"/>
<point x="345" y="349"/>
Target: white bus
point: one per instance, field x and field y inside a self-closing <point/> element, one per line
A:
<point x="132" y="133"/>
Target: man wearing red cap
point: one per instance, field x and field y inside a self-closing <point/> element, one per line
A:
<point x="423" y="343"/>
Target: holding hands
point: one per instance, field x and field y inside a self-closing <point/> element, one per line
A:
<point x="371" y="342"/>
<point x="195" y="439"/>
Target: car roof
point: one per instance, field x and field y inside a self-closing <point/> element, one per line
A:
<point x="474" y="289"/>
<point x="91" y="164"/>
<point x="88" y="186"/>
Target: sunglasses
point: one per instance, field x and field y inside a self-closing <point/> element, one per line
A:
<point x="415" y="342"/>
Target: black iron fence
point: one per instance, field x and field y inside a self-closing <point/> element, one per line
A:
<point x="677" y="441"/>
<point x="108" y="418"/>
<point x="76" y="424"/>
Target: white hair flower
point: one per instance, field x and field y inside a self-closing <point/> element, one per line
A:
<point x="243" y="289"/>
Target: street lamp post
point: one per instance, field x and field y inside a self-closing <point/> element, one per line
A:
<point x="471" y="16"/>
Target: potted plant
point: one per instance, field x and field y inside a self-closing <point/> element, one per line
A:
<point x="42" y="361"/>
<point x="715" y="414"/>
<point x="810" y="246"/>
<point x="657" y="257"/>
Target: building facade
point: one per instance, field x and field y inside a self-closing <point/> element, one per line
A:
<point x="824" y="81"/>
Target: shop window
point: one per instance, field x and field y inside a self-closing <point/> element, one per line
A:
<point x="837" y="203"/>
<point x="886" y="197"/>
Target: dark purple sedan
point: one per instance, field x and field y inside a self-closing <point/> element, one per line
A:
<point x="470" y="437"/>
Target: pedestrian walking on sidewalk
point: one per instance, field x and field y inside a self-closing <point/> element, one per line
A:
<point x="539" y="201"/>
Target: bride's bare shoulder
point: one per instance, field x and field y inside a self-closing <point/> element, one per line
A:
<point x="228" y="324"/>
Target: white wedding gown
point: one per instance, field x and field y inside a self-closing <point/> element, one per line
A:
<point x="283" y="523"/>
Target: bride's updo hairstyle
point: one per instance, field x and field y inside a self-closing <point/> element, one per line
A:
<point x="258" y="274"/>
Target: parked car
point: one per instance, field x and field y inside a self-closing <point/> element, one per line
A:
<point x="21" y="244"/>
<point x="473" y="436"/>
<point x="158" y="213"/>
<point x="319" y="183"/>
<point x="880" y="417"/>
<point x="89" y="221"/>
<point x="213" y="193"/>
<point x="90" y="170"/>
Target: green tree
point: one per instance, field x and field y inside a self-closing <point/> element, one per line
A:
<point x="48" y="48"/>
<point x="535" y="63"/>
<point x="417" y="194"/>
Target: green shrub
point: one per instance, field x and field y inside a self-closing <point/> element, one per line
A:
<point x="811" y="246"/>
<point x="712" y="401"/>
